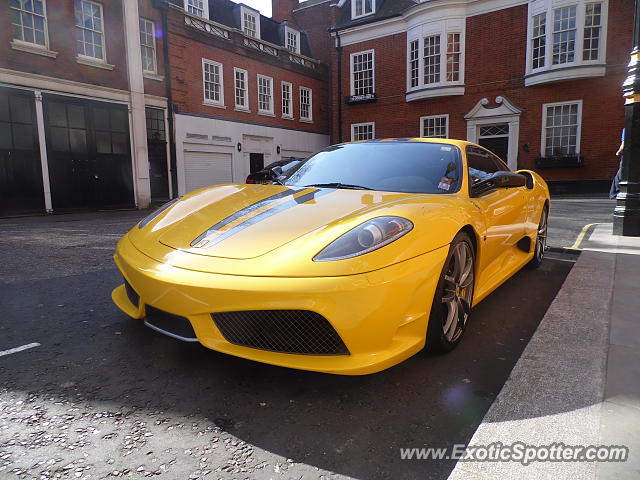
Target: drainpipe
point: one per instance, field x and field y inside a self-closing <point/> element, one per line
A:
<point x="163" y="7"/>
<point x="339" y="50"/>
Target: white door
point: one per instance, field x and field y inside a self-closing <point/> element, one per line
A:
<point x="203" y="169"/>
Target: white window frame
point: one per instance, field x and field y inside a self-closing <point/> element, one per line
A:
<point x="310" y="117"/>
<point x="354" y="126"/>
<point x="205" y="8"/>
<point x="294" y="33"/>
<point x="410" y="61"/>
<point x="152" y="46"/>
<point x="271" y="100"/>
<point x="543" y="40"/>
<point x="441" y="87"/>
<point x="354" y="15"/>
<point x="209" y="101"/>
<point x="244" y="10"/>
<point x="549" y="72"/>
<point x="373" y="69"/>
<point x="289" y="115"/>
<point x="543" y="134"/>
<point x="245" y="107"/>
<point x="102" y="59"/>
<point x="424" y="120"/>
<point x="46" y="25"/>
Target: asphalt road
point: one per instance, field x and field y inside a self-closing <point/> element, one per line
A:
<point x="570" y="215"/>
<point x="102" y="396"/>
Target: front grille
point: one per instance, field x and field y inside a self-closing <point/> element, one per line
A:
<point x="169" y="324"/>
<point x="134" y="298"/>
<point x="284" y="331"/>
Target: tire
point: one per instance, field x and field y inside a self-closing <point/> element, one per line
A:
<point x="541" y="240"/>
<point x="453" y="296"/>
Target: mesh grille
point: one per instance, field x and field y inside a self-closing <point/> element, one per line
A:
<point x="134" y="298"/>
<point x="285" y="331"/>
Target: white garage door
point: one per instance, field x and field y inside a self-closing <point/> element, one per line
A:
<point x="203" y="169"/>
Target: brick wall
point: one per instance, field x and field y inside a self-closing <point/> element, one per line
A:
<point x="188" y="47"/>
<point x="146" y="10"/>
<point x="495" y="66"/>
<point x="61" y="22"/>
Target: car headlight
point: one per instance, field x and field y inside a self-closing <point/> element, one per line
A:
<point x="365" y="238"/>
<point x="157" y="212"/>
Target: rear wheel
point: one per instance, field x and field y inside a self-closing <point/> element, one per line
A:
<point x="541" y="240"/>
<point x="454" y="296"/>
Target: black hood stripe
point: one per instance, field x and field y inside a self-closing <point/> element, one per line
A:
<point x="246" y="211"/>
<point x="307" y="197"/>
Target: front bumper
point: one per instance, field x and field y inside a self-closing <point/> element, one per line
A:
<point x="380" y="316"/>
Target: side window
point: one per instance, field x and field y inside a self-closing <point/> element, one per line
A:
<point x="481" y="164"/>
<point x="501" y="165"/>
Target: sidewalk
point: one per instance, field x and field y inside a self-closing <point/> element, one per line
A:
<point x="578" y="380"/>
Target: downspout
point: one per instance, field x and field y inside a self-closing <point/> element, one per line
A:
<point x="339" y="50"/>
<point x="163" y="6"/>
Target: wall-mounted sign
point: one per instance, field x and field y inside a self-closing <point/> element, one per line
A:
<point x="366" y="98"/>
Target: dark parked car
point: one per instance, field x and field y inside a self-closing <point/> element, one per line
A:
<point x="267" y="174"/>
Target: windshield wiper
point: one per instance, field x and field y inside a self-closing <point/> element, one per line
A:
<point x="338" y="185"/>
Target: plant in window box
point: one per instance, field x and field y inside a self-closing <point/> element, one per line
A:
<point x="560" y="161"/>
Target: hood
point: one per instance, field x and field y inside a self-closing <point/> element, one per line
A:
<point x="247" y="221"/>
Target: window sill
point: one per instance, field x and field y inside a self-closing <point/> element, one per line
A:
<point x="33" y="48"/>
<point x="306" y="120"/>
<point x="431" y="92"/>
<point x="287" y="117"/>
<point x="153" y="76"/>
<point x="212" y="104"/>
<point x="560" y="74"/>
<point x="242" y="109"/>
<point x="266" y="114"/>
<point x="94" y="63"/>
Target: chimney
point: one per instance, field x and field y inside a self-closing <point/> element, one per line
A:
<point x="282" y="10"/>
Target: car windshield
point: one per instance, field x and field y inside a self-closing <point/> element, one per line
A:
<point x="394" y="166"/>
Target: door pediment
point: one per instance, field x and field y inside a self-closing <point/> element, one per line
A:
<point x="504" y="108"/>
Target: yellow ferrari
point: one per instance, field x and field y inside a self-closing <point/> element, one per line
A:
<point x="348" y="263"/>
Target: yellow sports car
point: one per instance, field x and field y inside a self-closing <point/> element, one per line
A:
<point x="347" y="264"/>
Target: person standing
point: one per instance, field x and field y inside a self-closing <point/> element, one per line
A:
<point x="615" y="184"/>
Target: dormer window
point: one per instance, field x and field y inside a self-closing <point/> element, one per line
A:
<point x="250" y="22"/>
<point x="292" y="39"/>
<point x="197" y="7"/>
<point x="362" y="8"/>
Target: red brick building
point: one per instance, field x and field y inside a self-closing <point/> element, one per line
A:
<point x="83" y="108"/>
<point x="539" y="81"/>
<point x="90" y="115"/>
<point x="247" y="91"/>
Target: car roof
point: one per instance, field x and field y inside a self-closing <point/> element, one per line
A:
<point x="451" y="141"/>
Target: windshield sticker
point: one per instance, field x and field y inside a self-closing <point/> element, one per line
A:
<point x="445" y="149"/>
<point x="445" y="183"/>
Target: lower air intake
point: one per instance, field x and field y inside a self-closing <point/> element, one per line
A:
<point x="285" y="331"/>
<point x="169" y="324"/>
<point x="134" y="298"/>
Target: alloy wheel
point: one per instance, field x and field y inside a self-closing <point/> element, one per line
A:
<point x="458" y="291"/>
<point x="541" y="238"/>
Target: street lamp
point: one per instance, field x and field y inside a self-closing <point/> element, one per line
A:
<point x="626" y="216"/>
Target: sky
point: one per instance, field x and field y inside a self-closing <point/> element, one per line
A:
<point x="263" y="5"/>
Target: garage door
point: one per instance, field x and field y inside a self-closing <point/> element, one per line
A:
<point x="203" y="169"/>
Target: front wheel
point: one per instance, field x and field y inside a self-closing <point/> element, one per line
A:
<point x="454" y="296"/>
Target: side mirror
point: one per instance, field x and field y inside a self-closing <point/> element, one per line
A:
<point x="275" y="172"/>
<point x="498" y="180"/>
